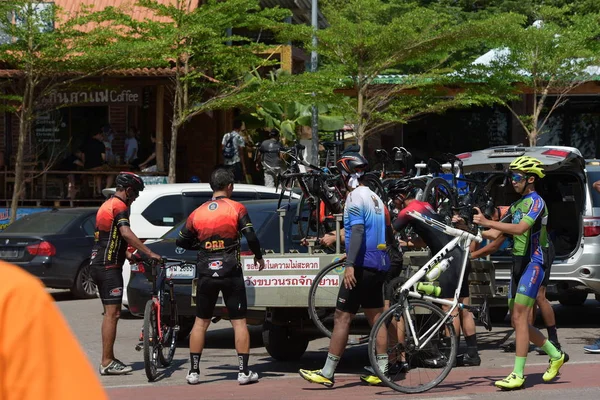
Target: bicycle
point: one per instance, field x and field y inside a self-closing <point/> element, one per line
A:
<point x="160" y="329"/>
<point x="416" y="329"/>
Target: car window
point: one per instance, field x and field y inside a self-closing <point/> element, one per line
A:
<point x="165" y="211"/>
<point x="594" y="176"/>
<point x="89" y="226"/>
<point x="243" y="196"/>
<point x="269" y="195"/>
<point x="41" y="223"/>
<point x="259" y="214"/>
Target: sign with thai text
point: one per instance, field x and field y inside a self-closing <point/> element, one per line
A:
<point x="331" y="280"/>
<point x="283" y="263"/>
<point x="94" y="97"/>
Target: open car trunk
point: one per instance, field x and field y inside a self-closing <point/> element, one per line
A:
<point x="562" y="188"/>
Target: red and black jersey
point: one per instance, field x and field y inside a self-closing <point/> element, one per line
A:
<point x="435" y="239"/>
<point x="109" y="246"/>
<point x="216" y="227"/>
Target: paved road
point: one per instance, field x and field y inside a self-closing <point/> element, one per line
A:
<point x="579" y="379"/>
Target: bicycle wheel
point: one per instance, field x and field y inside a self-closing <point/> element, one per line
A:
<point x="151" y="345"/>
<point x="428" y="364"/>
<point x="322" y="299"/>
<point x="440" y="195"/>
<point x="169" y="336"/>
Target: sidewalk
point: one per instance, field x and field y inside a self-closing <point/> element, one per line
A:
<point x="460" y="382"/>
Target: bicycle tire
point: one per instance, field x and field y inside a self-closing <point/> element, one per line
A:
<point x="418" y="366"/>
<point x="168" y="344"/>
<point x="151" y="345"/>
<point x="440" y="195"/>
<point x="322" y="316"/>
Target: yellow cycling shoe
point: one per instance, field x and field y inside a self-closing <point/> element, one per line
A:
<point x="554" y="367"/>
<point x="316" y="376"/>
<point x="511" y="382"/>
<point x="372" y="380"/>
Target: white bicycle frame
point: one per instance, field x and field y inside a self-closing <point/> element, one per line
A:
<point x="461" y="239"/>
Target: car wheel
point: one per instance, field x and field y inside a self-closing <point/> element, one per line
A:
<point x="498" y="314"/>
<point x="281" y="344"/>
<point x="573" y="298"/>
<point x="84" y="286"/>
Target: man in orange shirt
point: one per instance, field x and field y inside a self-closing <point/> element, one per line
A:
<point x="39" y="355"/>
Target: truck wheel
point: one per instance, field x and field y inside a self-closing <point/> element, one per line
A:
<point x="573" y="298"/>
<point x="282" y="345"/>
<point x="498" y="314"/>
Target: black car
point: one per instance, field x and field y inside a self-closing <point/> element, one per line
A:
<point x="55" y="246"/>
<point x="265" y="220"/>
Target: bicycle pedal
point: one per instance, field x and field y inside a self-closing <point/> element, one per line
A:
<point x="138" y="347"/>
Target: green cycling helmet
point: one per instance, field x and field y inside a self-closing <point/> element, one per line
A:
<point x="528" y="165"/>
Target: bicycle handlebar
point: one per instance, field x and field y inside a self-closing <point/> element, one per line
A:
<point x="444" y="228"/>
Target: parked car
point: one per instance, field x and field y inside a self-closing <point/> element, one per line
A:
<point x="574" y="214"/>
<point x="265" y="219"/>
<point x="160" y="207"/>
<point x="55" y="246"/>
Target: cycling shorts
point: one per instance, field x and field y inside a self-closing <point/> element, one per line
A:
<point x="368" y="292"/>
<point x="525" y="291"/>
<point x="109" y="280"/>
<point x="448" y="280"/>
<point x="392" y="273"/>
<point x="234" y="295"/>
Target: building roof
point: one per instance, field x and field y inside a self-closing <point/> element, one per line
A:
<point x="72" y="7"/>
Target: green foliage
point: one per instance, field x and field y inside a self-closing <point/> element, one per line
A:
<point x="368" y="38"/>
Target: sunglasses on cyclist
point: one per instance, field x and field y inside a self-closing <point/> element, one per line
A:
<point x="517" y="177"/>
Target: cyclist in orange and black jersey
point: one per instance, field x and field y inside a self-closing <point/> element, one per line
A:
<point x="214" y="230"/>
<point x="106" y="261"/>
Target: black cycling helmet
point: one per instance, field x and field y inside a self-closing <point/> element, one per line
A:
<point x="350" y="162"/>
<point x="405" y="187"/>
<point x="129" y="180"/>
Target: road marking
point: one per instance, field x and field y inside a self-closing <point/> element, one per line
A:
<point x="546" y="363"/>
<point x="127" y="386"/>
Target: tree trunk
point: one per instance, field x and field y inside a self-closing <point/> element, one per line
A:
<point x="360" y="127"/>
<point x="26" y="113"/>
<point x="173" y="152"/>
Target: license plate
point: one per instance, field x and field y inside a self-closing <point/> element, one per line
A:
<point x="9" y="253"/>
<point x="186" y="271"/>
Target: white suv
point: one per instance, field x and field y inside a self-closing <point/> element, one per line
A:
<point x="161" y="207"/>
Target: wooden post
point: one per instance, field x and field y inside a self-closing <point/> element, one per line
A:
<point x="160" y="111"/>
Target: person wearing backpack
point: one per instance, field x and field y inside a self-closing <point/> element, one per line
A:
<point x="231" y="147"/>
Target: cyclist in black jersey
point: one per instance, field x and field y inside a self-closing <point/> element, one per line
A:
<point x="108" y="255"/>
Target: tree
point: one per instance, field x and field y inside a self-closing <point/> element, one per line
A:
<point x="209" y="61"/>
<point x="48" y="51"/>
<point x="370" y="38"/>
<point x="547" y="60"/>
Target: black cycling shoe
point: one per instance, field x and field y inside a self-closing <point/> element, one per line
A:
<point x="468" y="361"/>
<point x="399" y="367"/>
<point x="543" y="353"/>
<point x="436" y="362"/>
<point x="512" y="347"/>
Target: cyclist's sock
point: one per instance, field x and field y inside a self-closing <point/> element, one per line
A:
<point x="552" y="351"/>
<point x="520" y="366"/>
<point x="243" y="362"/>
<point x="382" y="362"/>
<point x="330" y="365"/>
<point x="471" y="345"/>
<point x="195" y="361"/>
<point x="552" y="333"/>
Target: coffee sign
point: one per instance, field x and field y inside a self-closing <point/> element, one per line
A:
<point x="104" y="96"/>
